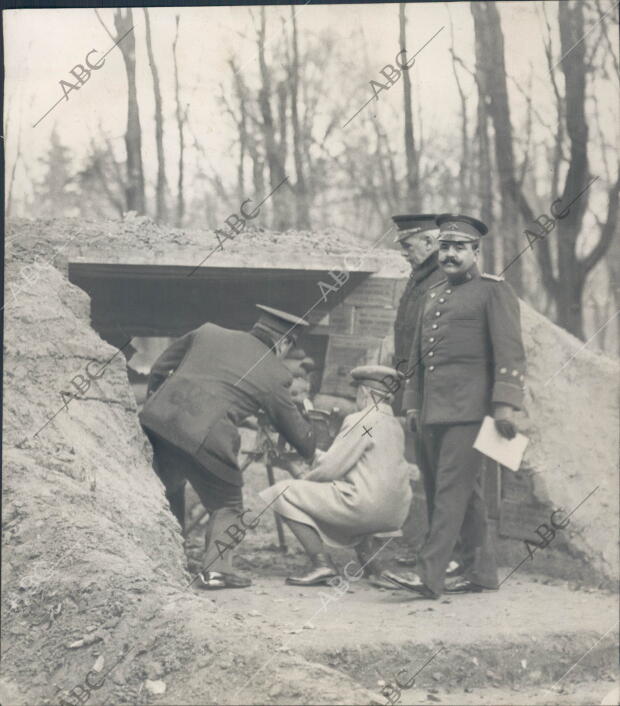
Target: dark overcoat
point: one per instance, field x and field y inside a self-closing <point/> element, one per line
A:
<point x="410" y="304"/>
<point x="206" y="383"/>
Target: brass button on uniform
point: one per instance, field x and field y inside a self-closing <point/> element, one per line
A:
<point x="431" y="354"/>
<point x="514" y="373"/>
<point x="442" y="300"/>
<point x="431" y="368"/>
<point x="503" y="371"/>
<point x="432" y="295"/>
<point x="438" y="313"/>
<point x="448" y="291"/>
<point x="432" y="340"/>
<point x="435" y="326"/>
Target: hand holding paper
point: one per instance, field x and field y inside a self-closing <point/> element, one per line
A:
<point x="492" y="444"/>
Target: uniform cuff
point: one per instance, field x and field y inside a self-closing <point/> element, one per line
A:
<point x="508" y="393"/>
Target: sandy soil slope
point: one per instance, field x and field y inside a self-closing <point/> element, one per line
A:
<point x="93" y="562"/>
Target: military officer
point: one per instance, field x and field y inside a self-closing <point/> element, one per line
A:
<point x="417" y="236"/>
<point x="199" y="391"/>
<point x="471" y="363"/>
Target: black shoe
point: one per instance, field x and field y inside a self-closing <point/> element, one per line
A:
<point x="213" y="580"/>
<point x="381" y="581"/>
<point x="317" y="576"/>
<point x="414" y="584"/>
<point x="466" y="586"/>
<point x="322" y="570"/>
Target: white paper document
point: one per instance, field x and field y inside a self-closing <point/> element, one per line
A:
<point x="508" y="452"/>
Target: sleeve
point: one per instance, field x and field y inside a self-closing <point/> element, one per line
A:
<point x="288" y="420"/>
<point x="342" y="455"/>
<point x="508" y="352"/>
<point x="413" y="373"/>
<point x="168" y="362"/>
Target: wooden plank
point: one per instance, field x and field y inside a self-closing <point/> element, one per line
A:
<point x="374" y="321"/>
<point x="375" y="291"/>
<point x="131" y="300"/>
<point x="341" y="319"/>
<point x="519" y="520"/>
<point x="343" y="354"/>
<point x="520" y="512"/>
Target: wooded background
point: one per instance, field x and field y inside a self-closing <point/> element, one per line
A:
<point x="510" y="113"/>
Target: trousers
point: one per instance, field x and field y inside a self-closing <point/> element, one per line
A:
<point x="454" y="470"/>
<point x="174" y="467"/>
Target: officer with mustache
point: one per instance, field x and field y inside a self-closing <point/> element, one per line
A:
<point x="471" y="363"/>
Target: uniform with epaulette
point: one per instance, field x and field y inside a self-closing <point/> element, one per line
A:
<point x="467" y="361"/>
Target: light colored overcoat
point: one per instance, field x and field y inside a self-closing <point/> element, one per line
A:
<point x="359" y="487"/>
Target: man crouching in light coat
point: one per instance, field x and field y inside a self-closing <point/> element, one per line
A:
<point x="358" y="488"/>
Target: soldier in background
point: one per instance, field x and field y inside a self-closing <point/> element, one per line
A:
<point x="417" y="236"/>
<point x="470" y="363"/>
<point x="201" y="389"/>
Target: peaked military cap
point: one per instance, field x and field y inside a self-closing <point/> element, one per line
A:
<point x="378" y="377"/>
<point x="411" y="224"/>
<point x="280" y="323"/>
<point x="456" y="228"/>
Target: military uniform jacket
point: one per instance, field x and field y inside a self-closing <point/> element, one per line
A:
<point x="420" y="280"/>
<point x="206" y="383"/>
<point x="467" y="351"/>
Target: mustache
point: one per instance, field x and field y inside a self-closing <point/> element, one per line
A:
<point x="449" y="260"/>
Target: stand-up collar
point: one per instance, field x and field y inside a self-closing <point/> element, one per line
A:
<point x="472" y="273"/>
<point x="425" y="269"/>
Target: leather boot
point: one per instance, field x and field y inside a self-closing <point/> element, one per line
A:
<point x="322" y="570"/>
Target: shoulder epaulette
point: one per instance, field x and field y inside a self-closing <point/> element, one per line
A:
<point x="495" y="278"/>
<point x="437" y="284"/>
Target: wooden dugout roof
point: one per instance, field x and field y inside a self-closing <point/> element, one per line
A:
<point x="169" y="300"/>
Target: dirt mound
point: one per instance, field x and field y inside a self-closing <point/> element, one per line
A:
<point x="572" y="423"/>
<point x="138" y="240"/>
<point x="93" y="563"/>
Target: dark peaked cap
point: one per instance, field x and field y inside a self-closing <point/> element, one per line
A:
<point x="279" y="323"/>
<point x="414" y="223"/>
<point x="456" y="228"/>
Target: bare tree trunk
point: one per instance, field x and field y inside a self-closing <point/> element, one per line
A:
<point x="18" y="156"/>
<point x="413" y="175"/>
<point x="484" y="167"/>
<point x="243" y="139"/>
<point x="276" y="168"/>
<point x="123" y="22"/>
<point x="490" y="62"/>
<point x="181" y="116"/>
<point x="390" y="190"/>
<point x="160" y="191"/>
<point x="464" y="166"/>
<point x="301" y="192"/>
<point x="571" y="277"/>
<point x="567" y="288"/>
